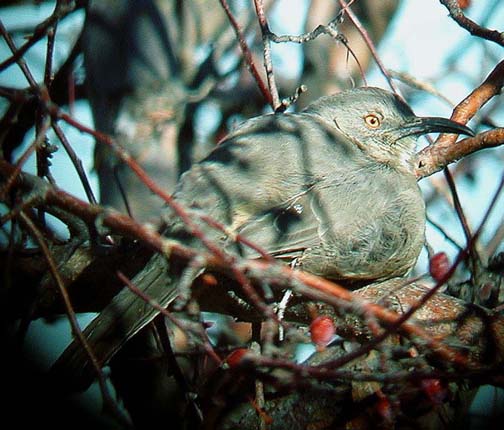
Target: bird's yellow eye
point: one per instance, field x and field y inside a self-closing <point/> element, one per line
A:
<point x="372" y="120"/>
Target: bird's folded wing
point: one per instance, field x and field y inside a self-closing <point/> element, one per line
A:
<point x="285" y="231"/>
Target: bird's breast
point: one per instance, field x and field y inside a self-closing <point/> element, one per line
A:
<point x="370" y="228"/>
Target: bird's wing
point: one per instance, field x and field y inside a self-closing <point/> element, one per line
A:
<point x="284" y="231"/>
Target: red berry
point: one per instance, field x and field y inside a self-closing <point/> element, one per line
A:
<point x="439" y="266"/>
<point x="384" y="408"/>
<point x="464" y="4"/>
<point x="322" y="331"/>
<point x="234" y="358"/>
<point x="434" y="390"/>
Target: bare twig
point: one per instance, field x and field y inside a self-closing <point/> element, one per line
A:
<point x="440" y="228"/>
<point x="76" y="330"/>
<point x="180" y="324"/>
<point x="62" y="9"/>
<point x="367" y="39"/>
<point x="268" y="63"/>
<point x="77" y="163"/>
<point x="458" y="205"/>
<point x="249" y="60"/>
<point x="458" y="16"/>
<point x="470" y="239"/>
<point x="19" y="59"/>
<point x="330" y="29"/>
<point x="418" y="84"/>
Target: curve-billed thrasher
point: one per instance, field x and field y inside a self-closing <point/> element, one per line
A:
<point x="331" y="188"/>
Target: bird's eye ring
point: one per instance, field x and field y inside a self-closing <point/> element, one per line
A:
<point x="372" y="121"/>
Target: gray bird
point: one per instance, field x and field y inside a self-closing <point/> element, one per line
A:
<point x="331" y="189"/>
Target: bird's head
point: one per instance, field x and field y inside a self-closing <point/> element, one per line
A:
<point x="380" y="123"/>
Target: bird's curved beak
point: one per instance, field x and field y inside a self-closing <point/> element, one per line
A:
<point x="423" y="125"/>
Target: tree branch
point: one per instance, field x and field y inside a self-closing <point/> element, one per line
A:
<point x="444" y="151"/>
<point x="476" y="30"/>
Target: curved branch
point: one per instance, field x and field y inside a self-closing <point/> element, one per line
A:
<point x="444" y="151"/>
<point x="435" y="157"/>
<point x="469" y="25"/>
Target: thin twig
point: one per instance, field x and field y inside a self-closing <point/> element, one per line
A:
<point x="268" y="62"/>
<point x="476" y="30"/>
<point x="62" y="9"/>
<point x="77" y="163"/>
<point x="441" y="230"/>
<point x="331" y="30"/>
<point x="458" y="206"/>
<point x="4" y="190"/>
<point x="151" y="302"/>
<point x="367" y="39"/>
<point x="249" y="60"/>
<point x="76" y="330"/>
<point x="470" y="238"/>
<point x="20" y="60"/>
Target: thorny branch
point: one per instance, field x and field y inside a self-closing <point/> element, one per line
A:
<point x="271" y="272"/>
<point x="320" y="289"/>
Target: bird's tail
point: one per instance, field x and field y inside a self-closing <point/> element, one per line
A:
<point x="125" y="316"/>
